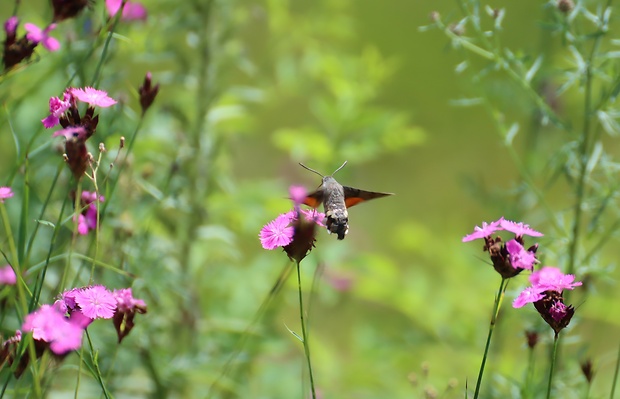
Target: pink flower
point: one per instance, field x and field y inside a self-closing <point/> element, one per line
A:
<point x="552" y="279"/>
<point x="36" y="35"/>
<point x="49" y="325"/>
<point x="5" y="192"/>
<point x="528" y="295"/>
<point x="10" y="26"/>
<point x="87" y="220"/>
<point x="314" y="216"/>
<point x="485" y="231"/>
<point x="558" y="310"/>
<point x="125" y="302"/>
<point x="277" y="233"/>
<point x="131" y="11"/>
<point x="96" y="302"/>
<point x="77" y="132"/>
<point x="298" y="194"/>
<point x="93" y="97"/>
<point x="520" y="258"/>
<point x="519" y="229"/>
<point x="57" y="108"/>
<point x="7" y="275"/>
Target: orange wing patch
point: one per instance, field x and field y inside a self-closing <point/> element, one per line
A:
<point x="351" y="201"/>
<point x="312" y="202"/>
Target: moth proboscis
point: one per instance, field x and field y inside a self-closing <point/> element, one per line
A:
<point x="336" y="198"/>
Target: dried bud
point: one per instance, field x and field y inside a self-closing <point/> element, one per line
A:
<point x="532" y="338"/>
<point x="434" y="16"/>
<point x="565" y="5"/>
<point x="587" y="370"/>
<point x="457" y="29"/>
<point x="122" y="144"/>
<point x="147" y="92"/>
<point x="101" y="147"/>
<point x="65" y="9"/>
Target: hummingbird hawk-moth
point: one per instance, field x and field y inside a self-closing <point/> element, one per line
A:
<point x="336" y="198"/>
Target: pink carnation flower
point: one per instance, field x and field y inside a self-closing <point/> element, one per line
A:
<point x="520" y="258"/>
<point x="277" y="233"/>
<point x="7" y="275"/>
<point x="93" y="97"/>
<point x="57" y="108"/>
<point x="485" y="231"/>
<point x="36" y="35"/>
<point x="519" y="229"/>
<point x="5" y="192"/>
<point x="49" y="325"/>
<point x="96" y="302"/>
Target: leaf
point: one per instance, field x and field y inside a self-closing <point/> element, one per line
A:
<point x="294" y="334"/>
<point x="45" y="223"/>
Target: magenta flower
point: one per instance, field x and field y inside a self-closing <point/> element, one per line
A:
<point x="96" y="302"/>
<point x="93" y="97"/>
<point x="125" y="302"/>
<point x="87" y="220"/>
<point x="520" y="258"/>
<point x="49" y="325"/>
<point x="528" y="295"/>
<point x="298" y="194"/>
<point x="10" y="26"/>
<point x="519" y="229"/>
<point x="132" y="10"/>
<point x="77" y="132"/>
<point x="552" y="279"/>
<point x="277" y="233"/>
<point x="36" y="35"/>
<point x="485" y="231"/>
<point x="314" y="216"/>
<point x="57" y="108"/>
<point x="5" y="192"/>
<point x="558" y="311"/>
<point x="7" y="275"/>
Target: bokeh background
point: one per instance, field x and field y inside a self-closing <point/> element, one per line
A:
<point x="249" y="89"/>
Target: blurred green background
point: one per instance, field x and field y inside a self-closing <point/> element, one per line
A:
<point x="320" y="83"/>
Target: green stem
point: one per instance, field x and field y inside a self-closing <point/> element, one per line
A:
<point x="556" y="339"/>
<point x="97" y="371"/>
<point x="498" y="302"/>
<point x="303" y="331"/>
<point x="613" y="385"/>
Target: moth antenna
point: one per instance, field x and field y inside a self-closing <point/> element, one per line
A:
<point x="311" y="170"/>
<point x="342" y="166"/>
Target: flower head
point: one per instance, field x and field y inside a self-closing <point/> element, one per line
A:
<point x="57" y="108"/>
<point x="5" y="192"/>
<point x="147" y="92"/>
<point x="96" y="302"/>
<point x="277" y="233"/>
<point x="7" y="275"/>
<point x="10" y="26"/>
<point x="93" y="97"/>
<point x="552" y="279"/>
<point x="131" y="11"/>
<point x="38" y="35"/>
<point x="485" y="231"/>
<point x="520" y="258"/>
<point x="519" y="229"/>
<point x="126" y="308"/>
<point x="49" y="325"/>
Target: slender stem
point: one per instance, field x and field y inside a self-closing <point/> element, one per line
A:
<point x="556" y="339"/>
<point x="303" y="331"/>
<point x="498" y="302"/>
<point x="613" y="385"/>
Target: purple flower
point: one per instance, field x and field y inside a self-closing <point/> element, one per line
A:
<point x="10" y="26"/>
<point x="57" y="108"/>
<point x="519" y="229"/>
<point x="485" y="231"/>
<point x="87" y="220"/>
<point x="7" y="275"/>
<point x="96" y="302"/>
<point x="49" y="325"/>
<point x="131" y="10"/>
<point x="36" y="35"/>
<point x="277" y="233"/>
<point x="125" y="302"/>
<point x="520" y="258"/>
<point x="552" y="279"/>
<point x="5" y="192"/>
<point x="528" y="295"/>
<point x="558" y="311"/>
<point x="93" y="97"/>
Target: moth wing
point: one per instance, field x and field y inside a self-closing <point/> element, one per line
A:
<point x="353" y="196"/>
<point x="314" y="199"/>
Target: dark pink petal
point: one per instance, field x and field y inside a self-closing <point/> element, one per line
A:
<point x="298" y="194"/>
<point x="528" y="295"/>
<point x="485" y="231"/>
<point x="93" y="97"/>
<point x="33" y="32"/>
<point x="10" y="26"/>
<point x="71" y="132"/>
<point x="520" y="258"/>
<point x="277" y="233"/>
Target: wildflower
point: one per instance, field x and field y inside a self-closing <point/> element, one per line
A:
<point x="519" y="229"/>
<point x="94" y="97"/>
<point x="57" y="108"/>
<point x="511" y="258"/>
<point x="298" y="194"/>
<point x="96" y="302"/>
<point x="7" y="275"/>
<point x="147" y="92"/>
<point x="485" y="231"/>
<point x="294" y="231"/>
<point x="126" y="308"/>
<point x="87" y="220"/>
<point x="545" y="293"/>
<point x="5" y="192"/>
<point x="15" y="51"/>
<point x="47" y="324"/>
<point x="65" y="9"/>
<point x="131" y="11"/>
<point x="36" y="35"/>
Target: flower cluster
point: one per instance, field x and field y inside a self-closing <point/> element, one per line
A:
<point x="76" y="128"/>
<point x="545" y="293"/>
<point x="511" y="258"/>
<point x="87" y="219"/>
<point x="16" y="50"/>
<point x="294" y="231"/>
<point x="60" y="327"/>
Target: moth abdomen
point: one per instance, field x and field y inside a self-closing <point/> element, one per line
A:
<point x="337" y="221"/>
